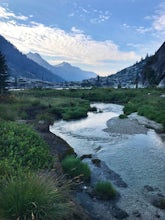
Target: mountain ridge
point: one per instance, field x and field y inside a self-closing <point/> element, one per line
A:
<point x="20" y="66"/>
<point x="64" y="69"/>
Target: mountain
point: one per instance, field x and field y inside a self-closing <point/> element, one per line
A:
<point x="126" y="78"/>
<point x="149" y="72"/>
<point x="64" y="70"/>
<point x="20" y="66"/>
<point x="39" y="60"/>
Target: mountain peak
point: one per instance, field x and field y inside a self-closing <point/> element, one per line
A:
<point x="34" y="54"/>
<point x="65" y="70"/>
<point x="64" y="64"/>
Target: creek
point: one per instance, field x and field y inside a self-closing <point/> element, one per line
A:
<point x="139" y="159"/>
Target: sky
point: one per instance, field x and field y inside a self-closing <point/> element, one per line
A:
<point x="103" y="36"/>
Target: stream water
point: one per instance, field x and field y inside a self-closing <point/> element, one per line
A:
<point x="139" y="159"/>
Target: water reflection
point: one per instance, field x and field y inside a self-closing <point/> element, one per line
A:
<point x="139" y="159"/>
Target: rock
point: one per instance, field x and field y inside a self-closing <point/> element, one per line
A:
<point x="86" y="156"/>
<point x="42" y="126"/>
<point x="157" y="215"/>
<point x="149" y="188"/>
<point x="137" y="214"/>
<point x="119" y="213"/>
<point x="98" y="148"/>
<point x="159" y="203"/>
<point x="96" y="162"/>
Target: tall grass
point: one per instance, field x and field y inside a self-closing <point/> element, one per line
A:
<point x="28" y="196"/>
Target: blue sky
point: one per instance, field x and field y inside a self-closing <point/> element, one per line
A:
<point x="103" y="36"/>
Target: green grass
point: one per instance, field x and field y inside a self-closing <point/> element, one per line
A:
<point x="105" y="190"/>
<point x="28" y="196"/>
<point x="49" y="104"/>
<point x="74" y="167"/>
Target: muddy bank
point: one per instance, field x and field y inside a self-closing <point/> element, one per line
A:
<point x="60" y="148"/>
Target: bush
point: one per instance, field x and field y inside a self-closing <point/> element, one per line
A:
<point x="104" y="190"/>
<point x="130" y="108"/>
<point x="122" y="116"/>
<point x="74" y="114"/>
<point x="7" y="113"/>
<point x="28" y="196"/>
<point x="76" y="168"/>
<point x="20" y="145"/>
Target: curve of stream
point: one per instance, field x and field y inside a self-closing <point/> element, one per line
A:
<point x="138" y="158"/>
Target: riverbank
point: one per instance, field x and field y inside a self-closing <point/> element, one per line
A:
<point x="59" y="149"/>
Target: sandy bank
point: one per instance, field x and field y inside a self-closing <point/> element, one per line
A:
<point x="134" y="124"/>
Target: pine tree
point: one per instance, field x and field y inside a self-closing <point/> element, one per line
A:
<point x="3" y="75"/>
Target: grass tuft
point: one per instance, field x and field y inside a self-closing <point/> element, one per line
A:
<point x="28" y="196"/>
<point x="105" y="190"/>
<point x="76" y="168"/>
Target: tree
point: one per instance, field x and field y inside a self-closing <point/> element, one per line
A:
<point x="3" y="74"/>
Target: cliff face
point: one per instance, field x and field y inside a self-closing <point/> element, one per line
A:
<point x="153" y="73"/>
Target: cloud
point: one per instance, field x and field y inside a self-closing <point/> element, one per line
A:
<point x="99" y="16"/>
<point x="159" y="23"/>
<point x="91" y="14"/>
<point x="143" y="30"/>
<point x="77" y="31"/>
<point x="159" y="18"/>
<point x="6" y="14"/>
<point x="99" y="19"/>
<point x="56" y="41"/>
<point x="53" y="42"/>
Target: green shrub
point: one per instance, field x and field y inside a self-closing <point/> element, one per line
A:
<point x="7" y="113"/>
<point x="130" y="108"/>
<point x="5" y="168"/>
<point x="75" y="113"/>
<point x="76" y="168"/>
<point x="28" y="196"/>
<point x="122" y="116"/>
<point x="105" y="190"/>
<point x="45" y="116"/>
<point x="22" y="146"/>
